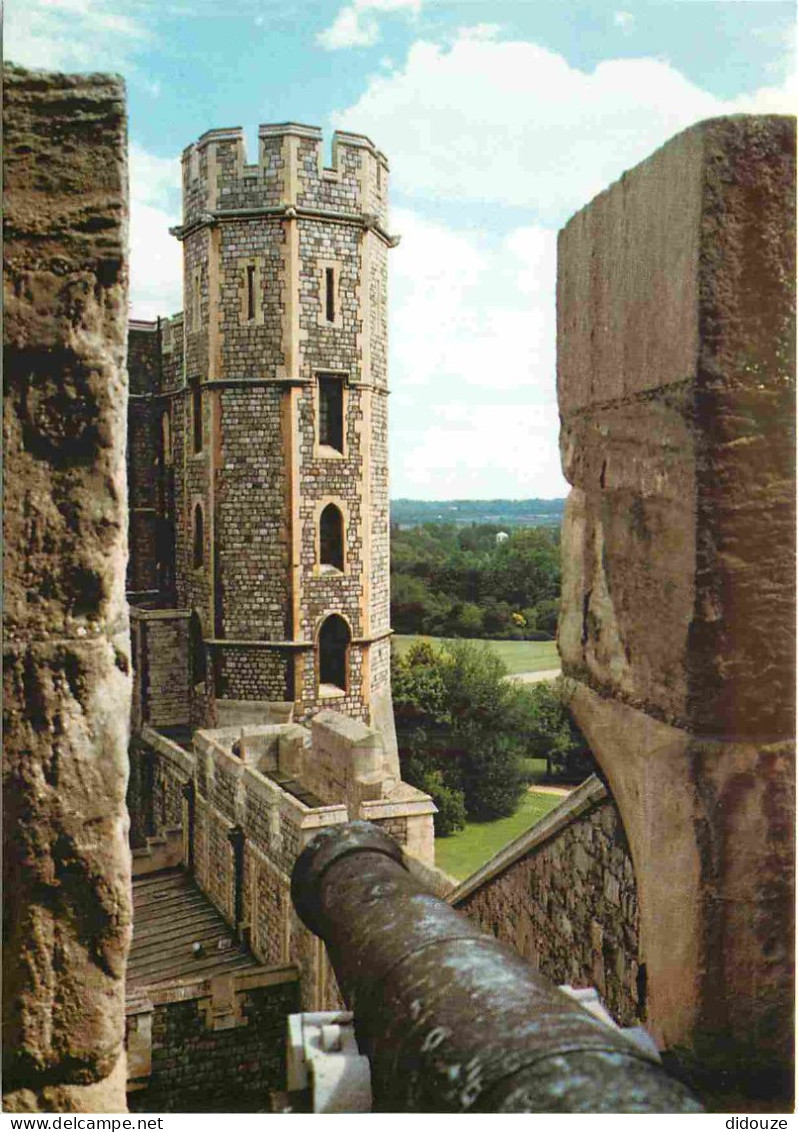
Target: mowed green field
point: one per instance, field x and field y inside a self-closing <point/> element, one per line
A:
<point x="519" y="656"/>
<point x="461" y="854"/>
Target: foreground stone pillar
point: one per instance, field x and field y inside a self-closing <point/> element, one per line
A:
<point x="67" y="684"/>
<point x="676" y="383"/>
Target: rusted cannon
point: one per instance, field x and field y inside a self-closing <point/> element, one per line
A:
<point x="450" y="1019"/>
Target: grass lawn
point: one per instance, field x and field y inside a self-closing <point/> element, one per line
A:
<point x="519" y="656"/>
<point x="461" y="854"/>
<point x="535" y="770"/>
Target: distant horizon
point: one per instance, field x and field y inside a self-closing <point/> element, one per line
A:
<point x="480" y="499"/>
<point x="499" y="511"/>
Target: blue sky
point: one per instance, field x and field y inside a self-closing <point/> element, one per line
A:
<point x="500" y="120"/>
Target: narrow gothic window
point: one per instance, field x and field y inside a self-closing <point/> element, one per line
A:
<point x="166" y="441"/>
<point x="199" y="538"/>
<point x="331" y="537"/>
<point x="334" y="652"/>
<point x="329" y="294"/>
<point x="331" y="412"/>
<point x="250" y="292"/>
<point x="196" y="414"/>
<point x="197" y="650"/>
<point x="197" y="302"/>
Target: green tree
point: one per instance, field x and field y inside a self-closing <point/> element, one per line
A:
<point x="548" y="614"/>
<point x="451" y="719"/>
<point x="464" y="730"/>
<point x="466" y="620"/>
<point x="539" y="712"/>
<point x="466" y="567"/>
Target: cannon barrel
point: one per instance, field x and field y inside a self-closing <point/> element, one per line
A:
<point x="450" y="1019"/>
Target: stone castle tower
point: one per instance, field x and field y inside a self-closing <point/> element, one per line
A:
<point x="263" y="518"/>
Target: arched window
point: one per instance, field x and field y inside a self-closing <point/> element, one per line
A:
<point x="334" y="652"/>
<point x="196" y="650"/>
<point x="331" y="538"/>
<point x="199" y="538"/>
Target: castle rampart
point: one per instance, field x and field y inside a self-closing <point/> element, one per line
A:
<point x="248" y="800"/>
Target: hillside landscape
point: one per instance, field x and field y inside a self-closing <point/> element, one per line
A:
<point x="461" y="512"/>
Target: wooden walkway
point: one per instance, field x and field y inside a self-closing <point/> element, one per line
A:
<point x="171" y="916"/>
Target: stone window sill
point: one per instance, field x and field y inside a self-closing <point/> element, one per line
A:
<point x="331" y="692"/>
<point x="327" y="452"/>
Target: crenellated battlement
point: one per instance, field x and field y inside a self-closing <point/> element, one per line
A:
<point x="289" y="172"/>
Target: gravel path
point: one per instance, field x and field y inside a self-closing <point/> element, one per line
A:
<point x="536" y="677"/>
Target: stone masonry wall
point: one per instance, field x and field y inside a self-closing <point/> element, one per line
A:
<point x="251" y="524"/>
<point x="676" y="380"/>
<point x="67" y="683"/>
<point x="276" y="825"/>
<point x="568" y="903"/>
<point x="159" y="772"/>
<point x="196" y="1068"/>
<point x="246" y="673"/>
<point x="252" y="348"/>
<point x="161" y="664"/>
<point x="142" y="446"/>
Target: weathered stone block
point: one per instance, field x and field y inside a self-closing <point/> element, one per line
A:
<point x="676" y="383"/>
<point x="675" y="377"/>
<point x="67" y="650"/>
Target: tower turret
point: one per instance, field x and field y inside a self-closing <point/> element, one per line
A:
<point x="279" y="424"/>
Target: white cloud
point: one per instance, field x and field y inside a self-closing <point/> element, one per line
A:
<point x="153" y="179"/>
<point x="156" y="263"/>
<point x="472" y="310"/>
<point x="350" y="29"/>
<point x="514" y="123"/>
<point x="780" y="99"/>
<point x="472" y="361"/>
<point x="156" y="259"/>
<point x="480" y="31"/>
<point x="479" y="452"/>
<point x="74" y="34"/>
<point x="356" y="26"/>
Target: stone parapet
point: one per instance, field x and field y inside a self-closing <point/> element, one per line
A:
<point x="585" y="798"/>
<point x="251" y="797"/>
<point x="675" y="380"/>
<point x="563" y="894"/>
<point x="205" y="1045"/>
<point x="676" y="339"/>
<point x="289" y="170"/>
